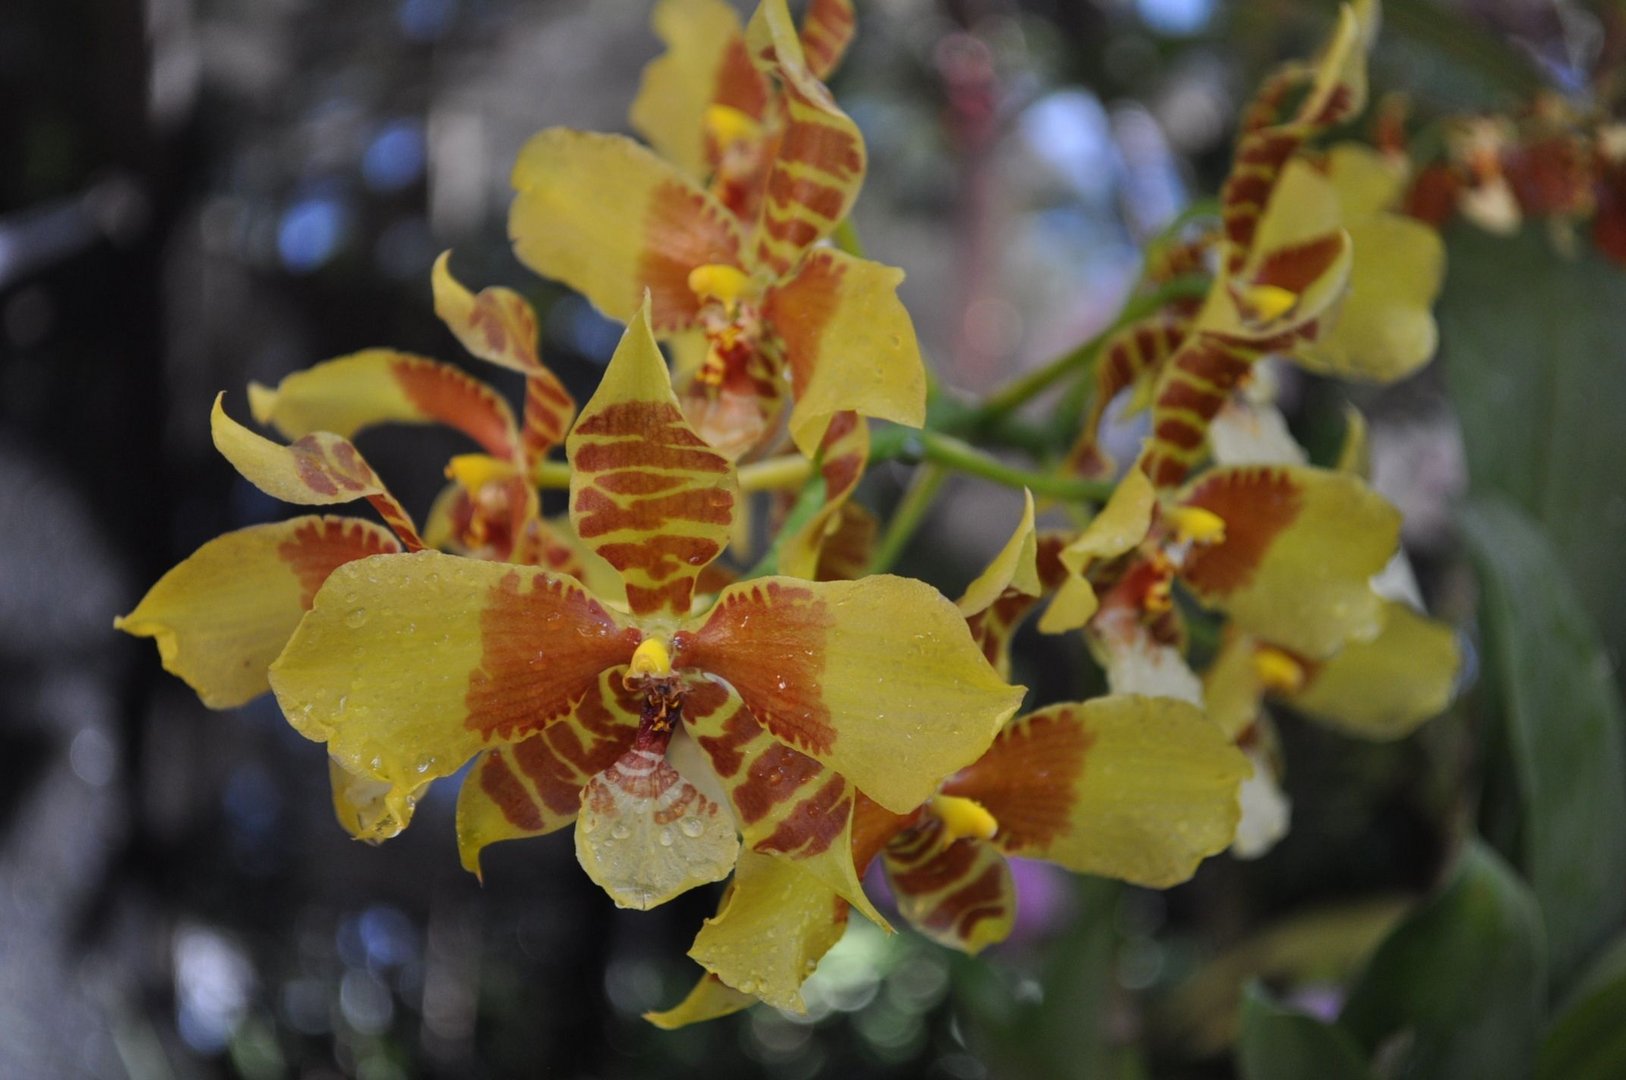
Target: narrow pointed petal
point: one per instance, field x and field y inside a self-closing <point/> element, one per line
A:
<point x="848" y="342"/>
<point x="705" y="64"/>
<point x="711" y="998"/>
<point x="1386" y="687"/>
<point x="827" y="30"/>
<point x="843" y="452"/>
<point x="958" y="894"/>
<point x="319" y="469"/>
<point x="1141" y="789"/>
<point x="820" y="163"/>
<point x="1016" y="566"/>
<point x="785" y="803"/>
<point x="534" y="786"/>
<point x="224" y="613"/>
<point x="1129" y="357"/>
<point x="645" y="834"/>
<point x="1117" y="529"/>
<point x="381" y="386"/>
<point x="611" y="220"/>
<point x="499" y="325"/>
<point x="775" y="924"/>
<point x="409" y="665"/>
<point x="363" y="805"/>
<point x="646" y="492"/>
<point x="878" y="678"/>
<point x="1300" y="547"/>
<point x="1004" y="593"/>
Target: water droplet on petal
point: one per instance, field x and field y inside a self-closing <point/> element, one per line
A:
<point x="620" y="831"/>
<point x="665" y="837"/>
<point x="356" y="618"/>
<point x="691" y="827"/>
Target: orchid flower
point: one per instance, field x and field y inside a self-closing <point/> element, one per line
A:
<point x="775" y="312"/>
<point x="784" y="697"/>
<point x="1130" y="787"/>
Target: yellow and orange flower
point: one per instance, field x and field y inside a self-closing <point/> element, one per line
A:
<point x="781" y="699"/>
<point x="1126" y="786"/>
<point x="774" y="312"/>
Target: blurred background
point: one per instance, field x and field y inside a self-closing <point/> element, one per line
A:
<point x="197" y="193"/>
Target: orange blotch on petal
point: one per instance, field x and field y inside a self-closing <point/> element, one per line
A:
<point x="1257" y="505"/>
<point x="1029" y="778"/>
<point x="542" y="651"/>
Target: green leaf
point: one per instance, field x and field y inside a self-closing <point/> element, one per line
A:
<point x="1588" y="1040"/>
<point x="1457" y="990"/>
<point x="1281" y="1043"/>
<point x="1531" y="350"/>
<point x="1564" y="724"/>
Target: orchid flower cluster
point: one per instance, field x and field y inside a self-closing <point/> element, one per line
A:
<point x="618" y="671"/>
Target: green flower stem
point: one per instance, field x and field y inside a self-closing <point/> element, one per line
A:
<point x="1024" y="388"/>
<point x="775" y="473"/>
<point x="947" y="452"/>
<point x="552" y="474"/>
<point x="910" y="512"/>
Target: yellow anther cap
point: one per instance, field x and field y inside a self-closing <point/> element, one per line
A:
<point x="1196" y="524"/>
<point x="1271" y="301"/>
<point x="650" y="658"/>
<point x="1277" y="671"/>
<point x="963" y="817"/>
<point x="727" y="125"/>
<point x="718" y="281"/>
<point x="474" y="471"/>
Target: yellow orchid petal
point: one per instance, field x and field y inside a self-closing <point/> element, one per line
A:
<point x="848" y="343"/>
<point x="499" y="325"/>
<point x="878" y="678"/>
<point x="646" y="492"/>
<point x="1300" y="546"/>
<point x="775" y="923"/>
<point x="705" y="65"/>
<point x="956" y="891"/>
<point x="1117" y="529"/>
<point x="319" y="469"/>
<point x="786" y="803"/>
<point x="1301" y="258"/>
<point x="534" y="786"/>
<point x="380" y="386"/>
<point x="363" y="805"/>
<point x="1386" y="687"/>
<point x="611" y="220"/>
<point x="1231" y="687"/>
<point x="224" y="613"/>
<point x="710" y="999"/>
<point x="1385" y="329"/>
<point x="820" y="160"/>
<point x="844" y="452"/>
<point x="1355" y="454"/>
<point x="409" y="665"/>
<point x="645" y="834"/>
<point x="1137" y="788"/>
<point x="1015" y="567"/>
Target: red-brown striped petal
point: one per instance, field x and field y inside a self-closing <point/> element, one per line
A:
<point x="319" y="469"/>
<point x="786" y="804"/>
<point x="646" y="492"/>
<point x="959" y="894"/>
<point x="820" y="161"/>
<point x="380" y="386"/>
<point x="842" y="456"/>
<point x="535" y="786"/>
<point x="877" y="678"/>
